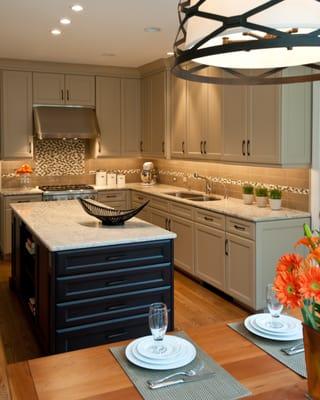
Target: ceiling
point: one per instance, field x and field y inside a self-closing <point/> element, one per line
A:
<point x="105" y="26"/>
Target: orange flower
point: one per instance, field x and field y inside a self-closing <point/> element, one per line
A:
<point x="314" y="254"/>
<point x="308" y="242"/>
<point x="310" y="283"/>
<point x="24" y="169"/>
<point x="287" y="287"/>
<point x="289" y="263"/>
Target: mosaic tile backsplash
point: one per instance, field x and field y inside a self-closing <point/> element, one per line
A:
<point x="57" y="157"/>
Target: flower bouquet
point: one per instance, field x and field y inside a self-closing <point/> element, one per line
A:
<point x="24" y="172"/>
<point x="297" y="284"/>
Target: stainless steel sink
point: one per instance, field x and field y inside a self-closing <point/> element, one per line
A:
<point x="194" y="196"/>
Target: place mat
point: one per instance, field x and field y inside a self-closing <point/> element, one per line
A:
<point x="220" y="387"/>
<point x="295" y="362"/>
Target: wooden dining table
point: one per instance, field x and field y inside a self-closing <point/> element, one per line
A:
<point x="94" y="373"/>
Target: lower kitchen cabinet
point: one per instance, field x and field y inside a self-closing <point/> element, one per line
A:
<point x="210" y="255"/>
<point x="159" y="218"/>
<point x="184" y="243"/>
<point x="117" y="199"/>
<point x="240" y="269"/>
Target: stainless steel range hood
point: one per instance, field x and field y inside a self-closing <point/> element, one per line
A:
<point x="65" y="122"/>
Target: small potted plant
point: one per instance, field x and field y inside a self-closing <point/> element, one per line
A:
<point x="247" y="193"/>
<point x="261" y="196"/>
<point x="275" y="199"/>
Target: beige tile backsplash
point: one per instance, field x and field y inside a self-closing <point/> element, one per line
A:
<point x="172" y="172"/>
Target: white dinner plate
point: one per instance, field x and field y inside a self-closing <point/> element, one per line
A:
<point x="172" y="344"/>
<point x="275" y="333"/>
<point x="295" y="336"/>
<point x="289" y="324"/>
<point x="189" y="353"/>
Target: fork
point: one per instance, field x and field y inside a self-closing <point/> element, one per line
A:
<point x="191" y="372"/>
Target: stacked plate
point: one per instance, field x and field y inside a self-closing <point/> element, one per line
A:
<point x="178" y="353"/>
<point x="287" y="328"/>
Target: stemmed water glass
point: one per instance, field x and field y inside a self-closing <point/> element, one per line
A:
<point x="274" y="307"/>
<point x="158" y="324"/>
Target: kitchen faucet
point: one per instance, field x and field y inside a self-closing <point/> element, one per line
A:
<point x="207" y="181"/>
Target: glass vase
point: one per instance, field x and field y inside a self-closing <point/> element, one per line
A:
<point x="311" y="339"/>
<point x="25" y="180"/>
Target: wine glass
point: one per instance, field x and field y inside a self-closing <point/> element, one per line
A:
<point x="158" y="324"/>
<point x="274" y="307"/>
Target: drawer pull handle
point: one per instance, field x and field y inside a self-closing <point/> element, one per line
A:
<point x="140" y="198"/>
<point x="240" y="228"/>
<point x="243" y="145"/>
<point x="111" y="197"/>
<point x="115" y="335"/>
<point x="208" y="219"/>
<point x="113" y="283"/>
<point x="226" y="247"/>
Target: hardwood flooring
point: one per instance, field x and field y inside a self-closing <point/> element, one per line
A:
<point x="195" y="305"/>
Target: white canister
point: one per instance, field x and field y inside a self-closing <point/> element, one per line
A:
<point x="121" y="180"/>
<point x="101" y="178"/>
<point x="112" y="180"/>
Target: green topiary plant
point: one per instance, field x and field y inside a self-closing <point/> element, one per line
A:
<point x="261" y="191"/>
<point x="247" y="189"/>
<point x="275" y="194"/>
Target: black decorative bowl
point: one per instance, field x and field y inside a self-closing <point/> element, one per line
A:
<point x="107" y="215"/>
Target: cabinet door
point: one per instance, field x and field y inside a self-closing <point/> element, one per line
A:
<point x="184" y="243"/>
<point x="130" y="117"/>
<point x="7" y="232"/>
<point x="16" y="115"/>
<point x="210" y="255"/>
<point x="145" y="214"/>
<point x="48" y="88"/>
<point x="108" y="111"/>
<point x="178" y="117"/>
<point x="234" y="122"/>
<point x="196" y="118"/>
<point x="213" y="139"/>
<point x="158" y="113"/>
<point x="80" y="90"/>
<point x="159" y="218"/>
<point x="146" y="88"/>
<point x="240" y="269"/>
<point x="264" y="136"/>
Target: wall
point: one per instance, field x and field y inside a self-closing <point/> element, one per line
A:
<point x="295" y="183"/>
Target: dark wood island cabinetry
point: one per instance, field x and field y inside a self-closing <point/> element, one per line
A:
<point x="88" y="296"/>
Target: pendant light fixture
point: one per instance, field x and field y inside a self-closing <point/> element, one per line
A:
<point x="248" y="41"/>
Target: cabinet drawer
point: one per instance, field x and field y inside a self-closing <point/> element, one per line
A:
<point x="159" y="204"/>
<point x="106" y="259"/>
<point x="241" y="228"/>
<point x="103" y="332"/>
<point x="180" y="210"/>
<point x="111" y="195"/>
<point x="109" y="307"/>
<point x="209" y="218"/>
<point x="21" y="199"/>
<point x="118" y="205"/>
<point x="144" y="214"/>
<point x="139" y="197"/>
<point x="112" y="282"/>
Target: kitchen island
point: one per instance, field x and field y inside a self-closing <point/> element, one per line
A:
<point x="82" y="283"/>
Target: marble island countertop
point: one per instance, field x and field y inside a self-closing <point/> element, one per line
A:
<point x="64" y="225"/>
<point x="231" y="206"/>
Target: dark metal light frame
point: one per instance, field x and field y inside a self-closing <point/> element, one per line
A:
<point x="277" y="39"/>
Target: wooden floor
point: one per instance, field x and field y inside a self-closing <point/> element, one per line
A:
<point x="195" y="306"/>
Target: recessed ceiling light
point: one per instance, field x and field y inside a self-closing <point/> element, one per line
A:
<point x="77" y="8"/>
<point x="65" y="21"/>
<point x="152" y="29"/>
<point x="170" y="53"/>
<point x="56" y="32"/>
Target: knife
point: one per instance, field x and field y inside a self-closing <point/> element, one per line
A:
<point x="290" y="351"/>
<point x="183" y="379"/>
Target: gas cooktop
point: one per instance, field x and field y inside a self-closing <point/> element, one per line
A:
<point x="65" y="188"/>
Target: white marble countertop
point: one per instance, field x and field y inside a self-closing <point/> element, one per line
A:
<point x="232" y="207"/>
<point x="64" y="225"/>
<point x="20" y="191"/>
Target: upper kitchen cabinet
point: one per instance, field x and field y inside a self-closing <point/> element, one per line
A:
<point x="16" y="115"/>
<point x="130" y="116"/>
<point x="119" y="116"/>
<point x="178" y="112"/>
<point x="267" y="124"/>
<point x="203" y="120"/>
<point x="77" y="90"/>
<point x="154" y="102"/>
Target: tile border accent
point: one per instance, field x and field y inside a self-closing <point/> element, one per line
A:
<point x="237" y="182"/>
